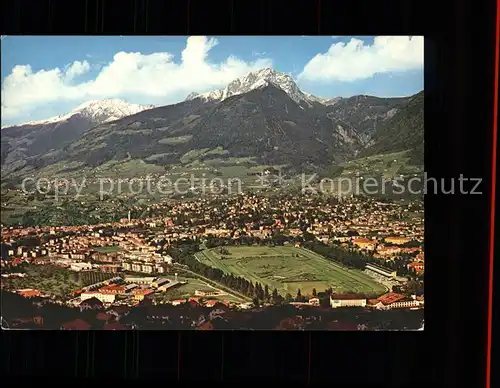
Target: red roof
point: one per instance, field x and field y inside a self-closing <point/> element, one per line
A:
<point x="104" y="316"/>
<point x="142" y="291"/>
<point x="30" y="293"/>
<point x="112" y="289"/>
<point x="77" y="324"/>
<point x="206" y="326"/>
<point x="362" y="240"/>
<point x="391" y="297"/>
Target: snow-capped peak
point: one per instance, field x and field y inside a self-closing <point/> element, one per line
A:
<point x="98" y="111"/>
<point x="255" y="80"/>
<point x="109" y="109"/>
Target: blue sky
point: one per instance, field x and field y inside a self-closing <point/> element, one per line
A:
<point x="46" y="76"/>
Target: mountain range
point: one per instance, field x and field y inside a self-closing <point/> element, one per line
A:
<point x="263" y="118"/>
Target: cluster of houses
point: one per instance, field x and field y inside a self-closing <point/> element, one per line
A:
<point x="207" y="314"/>
<point x="127" y="291"/>
<point x="363" y="224"/>
<point x="389" y="249"/>
<point x="387" y="301"/>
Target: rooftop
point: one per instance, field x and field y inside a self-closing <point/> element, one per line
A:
<point x="391" y="297"/>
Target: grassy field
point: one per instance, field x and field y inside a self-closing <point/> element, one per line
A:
<point x="387" y="165"/>
<point x="49" y="279"/>
<point x="288" y="269"/>
<point x="187" y="290"/>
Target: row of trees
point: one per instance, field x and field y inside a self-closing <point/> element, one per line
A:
<point x="354" y="259"/>
<point x="91" y="277"/>
<point x="349" y="258"/>
<point x="258" y="292"/>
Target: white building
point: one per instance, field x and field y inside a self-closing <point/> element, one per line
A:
<point x="104" y="298"/>
<point x="388" y="273"/>
<point x="347" y="301"/>
<point x="145" y="280"/>
<point x="81" y="266"/>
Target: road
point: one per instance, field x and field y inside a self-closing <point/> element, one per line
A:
<point x="218" y="285"/>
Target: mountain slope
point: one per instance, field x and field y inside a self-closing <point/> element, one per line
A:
<point x="134" y="136"/>
<point x="403" y="131"/>
<point x="366" y="113"/>
<point x="262" y="116"/>
<point x="264" y="123"/>
<point x="25" y="141"/>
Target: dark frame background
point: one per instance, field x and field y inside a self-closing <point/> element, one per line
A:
<point x="459" y="95"/>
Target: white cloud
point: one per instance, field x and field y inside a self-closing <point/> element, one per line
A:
<point x="76" y="69"/>
<point x="152" y="77"/>
<point x="356" y="60"/>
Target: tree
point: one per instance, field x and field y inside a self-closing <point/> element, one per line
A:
<point x="308" y="236"/>
<point x="324" y="302"/>
<point x="298" y="293"/>
<point x="266" y="291"/>
<point x="314" y="293"/>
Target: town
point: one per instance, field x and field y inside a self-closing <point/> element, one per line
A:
<point x="229" y="255"/>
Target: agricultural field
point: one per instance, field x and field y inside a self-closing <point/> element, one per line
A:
<point x="288" y="269"/>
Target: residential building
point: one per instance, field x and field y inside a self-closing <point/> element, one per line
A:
<point x="206" y="292"/>
<point x="142" y="293"/>
<point x="81" y="267"/>
<point x="389" y="273"/>
<point x="364" y="243"/>
<point x="347" y="300"/>
<point x="104" y="297"/>
<point x="160" y="282"/>
<point x="145" y="280"/>
<point x="397" y="240"/>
